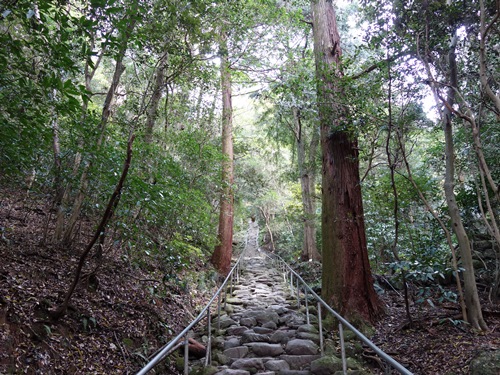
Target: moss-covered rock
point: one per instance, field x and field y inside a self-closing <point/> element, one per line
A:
<point x="326" y="365"/>
<point x="487" y="363"/>
<point x="200" y="370"/>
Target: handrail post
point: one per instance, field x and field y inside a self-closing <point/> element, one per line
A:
<point x="230" y="290"/>
<point x="208" y="355"/>
<point x="342" y="348"/>
<point x="307" y="305"/>
<point x="298" y="294"/>
<point x="186" y="355"/>
<point x="291" y="283"/>
<point x="320" y="324"/>
<point x="218" y="311"/>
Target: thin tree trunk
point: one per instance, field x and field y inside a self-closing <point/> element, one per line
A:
<point x="60" y="215"/>
<point x="474" y="313"/>
<point x="58" y="184"/>
<point x="392" y="161"/>
<point x="347" y="283"/>
<point x="483" y="66"/>
<point x="306" y="173"/>
<point x="441" y="224"/>
<point x="221" y="257"/>
<point x="112" y="204"/>
<point x="267" y="220"/>
<point x="152" y="111"/>
<point x="106" y="113"/>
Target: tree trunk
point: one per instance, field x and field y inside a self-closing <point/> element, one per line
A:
<point x="474" y="313"/>
<point x="347" y="283"/>
<point x="152" y="111"/>
<point x="89" y="75"/>
<point x="307" y="182"/>
<point x="267" y="219"/>
<point x="112" y="204"/>
<point x="221" y="257"/>
<point x="58" y="183"/>
<point x="106" y="113"/>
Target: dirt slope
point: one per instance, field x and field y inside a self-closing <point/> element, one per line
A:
<point x="117" y="317"/>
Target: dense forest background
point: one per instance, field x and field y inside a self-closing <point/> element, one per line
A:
<point x="110" y="146"/>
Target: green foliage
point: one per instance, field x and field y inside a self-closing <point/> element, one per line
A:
<point x="37" y="67"/>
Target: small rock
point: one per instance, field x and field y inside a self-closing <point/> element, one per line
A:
<point x="236" y="330"/>
<point x="232" y="372"/>
<point x="308" y="336"/>
<point x="234" y="301"/>
<point x="248" y="364"/>
<point x="263" y="330"/>
<point x="281" y="336"/>
<point x="248" y="322"/>
<point x="264" y="349"/>
<point x="236" y="352"/>
<point x="301" y="347"/>
<point x="299" y="362"/>
<point x="277" y="365"/>
<point x="251" y="336"/>
<point x="307" y="328"/>
<point x="221" y="358"/>
<point x="271" y="325"/>
<point x="232" y="342"/>
<point x="225" y="321"/>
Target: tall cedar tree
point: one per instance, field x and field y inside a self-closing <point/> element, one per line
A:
<point x="347" y="283"/>
<point x="221" y="257"/>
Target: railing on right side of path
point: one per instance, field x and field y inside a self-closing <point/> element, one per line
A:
<point x="299" y="283"/>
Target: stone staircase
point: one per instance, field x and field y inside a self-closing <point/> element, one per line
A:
<point x="262" y="330"/>
<point x="264" y="333"/>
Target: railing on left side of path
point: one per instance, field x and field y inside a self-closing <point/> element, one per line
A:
<point x="296" y="285"/>
<point x="173" y="344"/>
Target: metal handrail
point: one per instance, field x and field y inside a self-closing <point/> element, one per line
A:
<point x="342" y="321"/>
<point x="165" y="350"/>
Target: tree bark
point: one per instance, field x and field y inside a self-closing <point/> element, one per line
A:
<point x="474" y="313"/>
<point x="152" y="111"/>
<point x="106" y="113"/>
<point x="89" y="75"/>
<point x="58" y="183"/>
<point x="221" y="257"/>
<point x="112" y="204"/>
<point x="307" y="183"/>
<point x="483" y="66"/>
<point x="347" y="283"/>
<point x="267" y="219"/>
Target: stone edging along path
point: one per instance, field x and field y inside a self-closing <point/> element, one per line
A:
<point x="262" y="331"/>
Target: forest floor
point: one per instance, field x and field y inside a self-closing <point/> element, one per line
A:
<point x="120" y="314"/>
<point x="438" y="341"/>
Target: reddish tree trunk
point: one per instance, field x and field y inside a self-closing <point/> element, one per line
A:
<point x="347" y="281"/>
<point x="221" y="258"/>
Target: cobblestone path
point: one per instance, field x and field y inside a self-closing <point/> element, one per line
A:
<point x="262" y="330"/>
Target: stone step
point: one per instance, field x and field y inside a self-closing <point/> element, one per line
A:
<point x="265" y="332"/>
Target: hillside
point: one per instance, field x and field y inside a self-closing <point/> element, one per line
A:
<point x="118" y="316"/>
